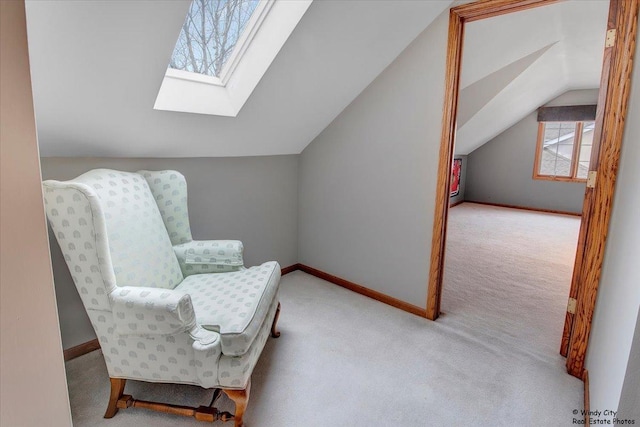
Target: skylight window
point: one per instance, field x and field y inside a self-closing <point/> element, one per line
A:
<point x="224" y="49"/>
<point x="210" y="33"/>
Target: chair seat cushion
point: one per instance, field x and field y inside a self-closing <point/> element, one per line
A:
<point x="233" y="304"/>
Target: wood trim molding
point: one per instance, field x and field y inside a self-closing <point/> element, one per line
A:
<point x="458" y="16"/>
<point x="525" y="208"/>
<point x="291" y="268"/>
<point x="560" y="179"/>
<point x="449" y="117"/>
<point x="81" y="349"/>
<point x="577" y="145"/>
<point x="378" y="296"/>
<point x="538" y="155"/>
<point x="588" y="197"/>
<point x="601" y="199"/>
<point x="489" y="8"/>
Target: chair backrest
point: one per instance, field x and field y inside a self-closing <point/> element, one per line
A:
<point x="169" y="189"/>
<point x="111" y="234"/>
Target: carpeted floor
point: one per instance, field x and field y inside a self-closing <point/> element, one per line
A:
<point x="507" y="275"/>
<point x="346" y="360"/>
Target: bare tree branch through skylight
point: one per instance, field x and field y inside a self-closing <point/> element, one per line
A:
<point x="209" y="34"/>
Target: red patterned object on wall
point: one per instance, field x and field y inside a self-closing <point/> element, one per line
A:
<point x="456" y="169"/>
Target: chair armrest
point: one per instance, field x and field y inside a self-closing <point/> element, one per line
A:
<point x="207" y="349"/>
<point x="151" y="311"/>
<point x="209" y="256"/>
<point x="204" y="339"/>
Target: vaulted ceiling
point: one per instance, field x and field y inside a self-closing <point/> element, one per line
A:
<point x="512" y="64"/>
<point x="97" y="66"/>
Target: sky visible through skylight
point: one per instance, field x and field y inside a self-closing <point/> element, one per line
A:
<point x="209" y="34"/>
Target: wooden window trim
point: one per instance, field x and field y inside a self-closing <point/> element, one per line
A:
<point x="577" y="144"/>
<point x="577" y="147"/>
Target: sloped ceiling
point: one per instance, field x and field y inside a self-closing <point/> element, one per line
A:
<point x="512" y="64"/>
<point x="476" y="95"/>
<point x="97" y="66"/>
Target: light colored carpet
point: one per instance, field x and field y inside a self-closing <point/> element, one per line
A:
<point x="507" y="276"/>
<point x="346" y="360"/>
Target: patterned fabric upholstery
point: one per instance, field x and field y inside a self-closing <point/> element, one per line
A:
<point x="234" y="371"/>
<point x="141" y="252"/>
<point x="150" y="311"/>
<point x="194" y="358"/>
<point x="169" y="189"/>
<point x="185" y="358"/>
<point x="119" y="253"/>
<point x="233" y="304"/>
<point x="77" y="221"/>
<point x="209" y="256"/>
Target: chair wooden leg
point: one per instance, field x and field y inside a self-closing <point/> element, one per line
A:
<point x="274" y="331"/>
<point x="117" y="389"/>
<point x="240" y="398"/>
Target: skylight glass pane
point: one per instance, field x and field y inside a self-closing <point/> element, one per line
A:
<point x="209" y="34"/>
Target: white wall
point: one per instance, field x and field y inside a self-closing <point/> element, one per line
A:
<point x="618" y="299"/>
<point x="367" y="187"/>
<point x="33" y="387"/>
<point x="629" y="407"/>
<point x="501" y="170"/>
<point x="367" y="182"/>
<point x="253" y="199"/>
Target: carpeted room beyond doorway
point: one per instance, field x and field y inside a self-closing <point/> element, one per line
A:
<point x="346" y="360"/>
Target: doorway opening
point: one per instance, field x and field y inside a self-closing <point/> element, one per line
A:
<point x="609" y="124"/>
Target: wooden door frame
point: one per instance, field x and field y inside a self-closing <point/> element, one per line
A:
<point x="623" y="16"/>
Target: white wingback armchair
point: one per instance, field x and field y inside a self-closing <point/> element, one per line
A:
<point x="165" y="307"/>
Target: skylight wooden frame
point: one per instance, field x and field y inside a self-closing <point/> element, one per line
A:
<point x="577" y="145"/>
<point x="611" y="114"/>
